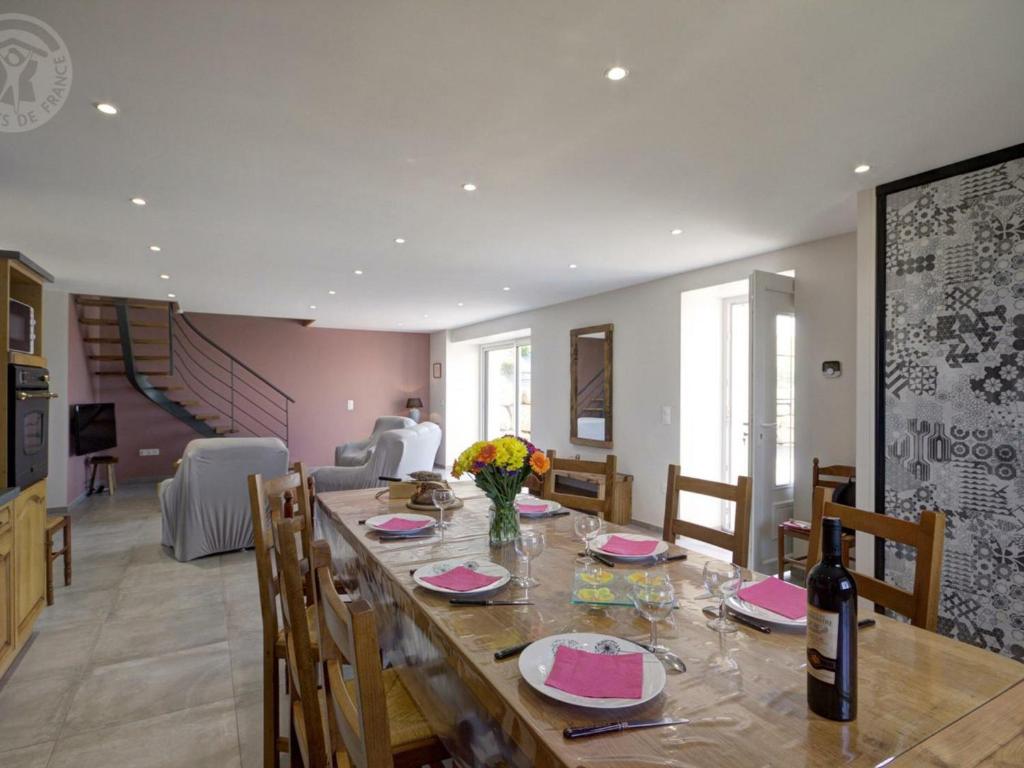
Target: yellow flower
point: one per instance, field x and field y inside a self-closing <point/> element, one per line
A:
<point x="511" y="453"/>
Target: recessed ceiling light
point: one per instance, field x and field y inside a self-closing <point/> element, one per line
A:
<point x="106" y="109"/>
<point x="461" y="304"/>
<point x="400" y="240"/>
<point x="469" y="186"/>
<point x="677" y="231"/>
<point x="165" y="277"/>
<point x="357" y="271"/>
<point x="170" y="295"/>
<point x="426" y="316"/>
<point x="155" y="248"/>
<point x="312" y="306"/>
<point x="863" y="168"/>
<point x="331" y="293"/>
<point x="616" y="73"/>
<point x="572" y="266"/>
<point x="506" y="288"/>
<point x="138" y="201"/>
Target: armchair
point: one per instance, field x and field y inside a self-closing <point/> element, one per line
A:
<point x="397" y="453"/>
<point x="357" y="453"/>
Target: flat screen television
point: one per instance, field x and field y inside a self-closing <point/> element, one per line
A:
<point x="93" y="428"/>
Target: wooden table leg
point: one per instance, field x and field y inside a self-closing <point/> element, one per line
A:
<point x="49" y="567"/>
<point x="67" y="550"/>
<point x="782" y="552"/>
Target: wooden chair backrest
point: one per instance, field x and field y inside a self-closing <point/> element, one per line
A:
<point x="300" y="658"/>
<point x="608" y="468"/>
<point x="738" y="542"/>
<point x="840" y="474"/>
<point x="348" y="633"/>
<point x="927" y="536"/>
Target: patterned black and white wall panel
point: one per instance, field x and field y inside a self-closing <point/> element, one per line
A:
<point x="953" y="389"/>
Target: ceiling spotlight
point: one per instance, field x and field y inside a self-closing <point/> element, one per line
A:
<point x="461" y="304"/>
<point x="863" y="168"/>
<point x="165" y="277"/>
<point x="616" y="73"/>
<point x="155" y="248"/>
<point x="138" y="201"/>
<point x="331" y="293"/>
<point x="572" y="266"/>
<point x="170" y="295"/>
<point x="357" y="271"/>
<point x="469" y="186"/>
<point x="106" y="109"/>
<point x="677" y="231"/>
<point x="312" y="306"/>
<point x="506" y="288"/>
<point x="426" y="316"/>
<point x="400" y="240"/>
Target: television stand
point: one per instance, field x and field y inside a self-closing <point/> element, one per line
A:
<point x="109" y="462"/>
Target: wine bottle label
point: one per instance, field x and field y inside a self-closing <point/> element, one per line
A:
<point x="822" y="643"/>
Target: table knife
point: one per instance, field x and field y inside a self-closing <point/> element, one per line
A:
<point x="470" y="601"/>
<point x="625" y="725"/>
<point x="512" y="650"/>
<point x="385" y="537"/>
<point x="600" y="558"/>
<point x="739" y="618"/>
<point x="865" y="623"/>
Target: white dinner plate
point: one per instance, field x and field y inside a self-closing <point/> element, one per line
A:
<point x="550" y="506"/>
<point x="601" y="540"/>
<point x="480" y="566"/>
<point x="536" y="661"/>
<point x="741" y="606"/>
<point x="374" y="523"/>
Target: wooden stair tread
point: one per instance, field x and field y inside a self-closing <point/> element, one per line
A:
<point x="131" y="303"/>
<point x="166" y="387"/>
<point x="122" y="373"/>
<point x="117" y="340"/>
<point x="225" y="431"/>
<point x="120" y="358"/>
<point x="206" y="417"/>
<point x="108" y="322"/>
<point x="186" y="403"/>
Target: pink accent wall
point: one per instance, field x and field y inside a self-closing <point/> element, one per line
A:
<point x="321" y="368"/>
<point x="80" y="390"/>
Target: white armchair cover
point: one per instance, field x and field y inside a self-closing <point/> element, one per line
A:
<point x="398" y="452"/>
<point x="205" y="506"/>
<point x="357" y="453"/>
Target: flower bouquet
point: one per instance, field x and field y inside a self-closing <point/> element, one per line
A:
<point x="499" y="468"/>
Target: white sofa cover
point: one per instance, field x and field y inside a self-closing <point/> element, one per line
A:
<point x="357" y="453"/>
<point x="398" y="452"/>
<point x="205" y="506"/>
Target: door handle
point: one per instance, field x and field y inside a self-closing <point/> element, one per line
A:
<point x="36" y="395"/>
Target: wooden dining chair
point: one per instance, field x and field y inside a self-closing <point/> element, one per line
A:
<point x="601" y="506"/>
<point x="269" y="500"/>
<point x="738" y="541"/>
<point x="927" y="536"/>
<point x="831" y="475"/>
<point x="371" y="716"/>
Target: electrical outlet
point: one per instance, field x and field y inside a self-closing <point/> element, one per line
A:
<point x="149" y="451"/>
<point x="351" y="405"/>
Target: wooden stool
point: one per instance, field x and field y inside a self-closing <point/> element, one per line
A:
<point x="56" y="523"/>
<point x="108" y="462"/>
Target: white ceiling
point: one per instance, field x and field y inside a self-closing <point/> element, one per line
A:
<point x="281" y="145"/>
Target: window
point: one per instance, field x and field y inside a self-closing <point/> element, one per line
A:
<point x="506" y="404"/>
<point x="785" y="355"/>
<point x="736" y="401"/>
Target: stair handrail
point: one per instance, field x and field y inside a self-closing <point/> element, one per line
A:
<point x="234" y="359"/>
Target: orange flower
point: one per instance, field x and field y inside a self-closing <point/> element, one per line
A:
<point x="539" y="463"/>
<point x="487" y="454"/>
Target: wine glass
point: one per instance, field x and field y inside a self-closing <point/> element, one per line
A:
<point x="587" y="527"/>
<point x="529" y="544"/>
<point x="722" y="581"/>
<point x="654" y="598"/>
<point x="443" y="498"/>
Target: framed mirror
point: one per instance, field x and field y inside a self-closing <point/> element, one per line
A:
<point x="590" y="374"/>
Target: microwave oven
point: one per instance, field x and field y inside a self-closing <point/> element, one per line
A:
<point x="22" y="328"/>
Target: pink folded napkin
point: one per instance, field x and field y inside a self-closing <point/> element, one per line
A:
<point x="617" y="545"/>
<point x="532" y="509"/>
<point x="597" y="675"/>
<point x="402" y="524"/>
<point x="461" y="579"/>
<point x="777" y="596"/>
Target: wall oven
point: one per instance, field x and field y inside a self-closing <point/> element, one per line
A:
<point x="29" y="417"/>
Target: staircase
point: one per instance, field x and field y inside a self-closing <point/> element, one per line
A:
<point x="590" y="401"/>
<point x="169" y="361"/>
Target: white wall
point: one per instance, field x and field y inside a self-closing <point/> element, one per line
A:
<point x="866" y="371"/>
<point x="436" y="393"/>
<point x="647" y="365"/>
<point x="55" y="350"/>
<point x="462" y="394"/>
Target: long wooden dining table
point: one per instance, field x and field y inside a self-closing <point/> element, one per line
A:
<point x="743" y="693"/>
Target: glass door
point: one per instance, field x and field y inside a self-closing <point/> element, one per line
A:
<point x="507" y="401"/>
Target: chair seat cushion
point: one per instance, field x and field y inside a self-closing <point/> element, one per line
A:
<point x="354" y="459"/>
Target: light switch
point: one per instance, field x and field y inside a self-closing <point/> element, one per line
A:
<point x="666" y="415"/>
<point x="351" y="405"/>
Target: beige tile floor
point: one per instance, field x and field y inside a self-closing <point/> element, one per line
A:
<point x="143" y="661"/>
